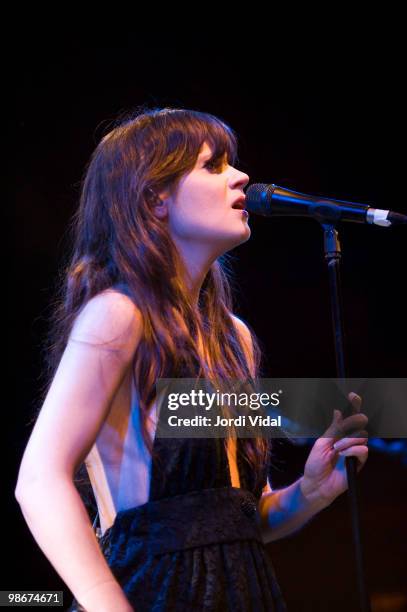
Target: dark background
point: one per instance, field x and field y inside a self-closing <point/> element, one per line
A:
<point x="320" y="122"/>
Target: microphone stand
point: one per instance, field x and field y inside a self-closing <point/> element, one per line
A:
<point x="332" y="251"/>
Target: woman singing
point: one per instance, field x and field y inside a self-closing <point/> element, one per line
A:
<point x="146" y="295"/>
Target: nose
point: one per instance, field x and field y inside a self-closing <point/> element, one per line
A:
<point x="239" y="179"/>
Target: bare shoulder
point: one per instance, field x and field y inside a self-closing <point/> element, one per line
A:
<point x="243" y="329"/>
<point x="92" y="368"/>
<point x="110" y="319"/>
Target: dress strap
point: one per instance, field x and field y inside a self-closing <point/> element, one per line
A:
<point x="97" y="529"/>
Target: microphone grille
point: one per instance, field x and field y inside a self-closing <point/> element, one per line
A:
<point x="258" y="198"/>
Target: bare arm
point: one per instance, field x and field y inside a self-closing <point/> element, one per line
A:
<point x="96" y="360"/>
<point x="285" y="511"/>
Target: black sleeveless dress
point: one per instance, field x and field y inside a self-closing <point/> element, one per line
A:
<point x="196" y="544"/>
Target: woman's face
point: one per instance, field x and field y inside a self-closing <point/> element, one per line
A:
<point x="201" y="214"/>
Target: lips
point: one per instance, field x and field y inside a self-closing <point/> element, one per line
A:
<point x="240" y="203"/>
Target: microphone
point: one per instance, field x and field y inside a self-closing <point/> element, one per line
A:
<point x="272" y="200"/>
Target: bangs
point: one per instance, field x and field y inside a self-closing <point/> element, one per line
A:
<point x="187" y="130"/>
<point x="221" y="140"/>
<point x="167" y="141"/>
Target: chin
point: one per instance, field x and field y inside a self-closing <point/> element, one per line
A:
<point x="247" y="233"/>
<point x="243" y="237"/>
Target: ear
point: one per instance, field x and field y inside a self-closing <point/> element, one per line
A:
<point x="160" y="204"/>
<point x="160" y="209"/>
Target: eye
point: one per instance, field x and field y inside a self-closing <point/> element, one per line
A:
<point x="213" y="164"/>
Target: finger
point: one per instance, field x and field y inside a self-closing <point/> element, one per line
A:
<point x="348" y="442"/>
<point x="353" y="422"/>
<point x="361" y="433"/>
<point x="355" y="400"/>
<point x="360" y="452"/>
<point x="340" y="427"/>
<point x="336" y="420"/>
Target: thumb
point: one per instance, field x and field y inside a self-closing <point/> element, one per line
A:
<point x="337" y="416"/>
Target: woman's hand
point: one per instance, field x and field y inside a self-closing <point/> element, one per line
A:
<point x="325" y="471"/>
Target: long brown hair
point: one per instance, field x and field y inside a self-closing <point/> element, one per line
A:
<point x="118" y="241"/>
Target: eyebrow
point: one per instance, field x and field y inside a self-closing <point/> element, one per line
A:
<point x="211" y="155"/>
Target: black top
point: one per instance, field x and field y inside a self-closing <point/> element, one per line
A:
<point x="196" y="544"/>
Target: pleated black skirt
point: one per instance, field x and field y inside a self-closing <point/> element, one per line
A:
<point x="201" y="550"/>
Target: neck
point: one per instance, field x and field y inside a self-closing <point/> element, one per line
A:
<point x="196" y="266"/>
